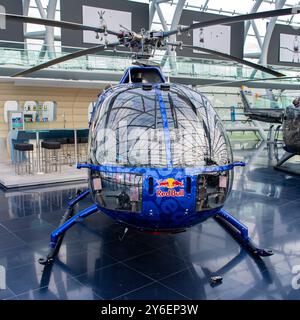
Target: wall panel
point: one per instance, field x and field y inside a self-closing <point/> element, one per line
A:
<point x="72" y="102"/>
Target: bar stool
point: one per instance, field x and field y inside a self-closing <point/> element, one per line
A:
<point x="83" y="149"/>
<point x="70" y="151"/>
<point x="64" y="150"/>
<point x="23" y="158"/>
<point x="51" y="156"/>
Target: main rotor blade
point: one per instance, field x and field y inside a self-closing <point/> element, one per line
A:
<point x="247" y="81"/>
<point x="234" y="19"/>
<point x="55" y="23"/>
<point x="229" y="57"/>
<point x="67" y="57"/>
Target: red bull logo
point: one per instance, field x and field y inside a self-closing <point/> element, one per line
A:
<point x="168" y="187"/>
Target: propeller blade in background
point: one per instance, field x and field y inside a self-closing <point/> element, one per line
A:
<point x="55" y="23"/>
<point x="229" y="57"/>
<point x="242" y="82"/>
<point x="234" y="19"/>
<point x="67" y="57"/>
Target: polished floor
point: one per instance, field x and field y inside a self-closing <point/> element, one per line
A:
<point x="94" y="264"/>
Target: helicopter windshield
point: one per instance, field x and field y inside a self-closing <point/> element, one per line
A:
<point x="197" y="134"/>
<point x="130" y="130"/>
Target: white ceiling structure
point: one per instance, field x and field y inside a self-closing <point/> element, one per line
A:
<point x="165" y="14"/>
<point x="257" y="35"/>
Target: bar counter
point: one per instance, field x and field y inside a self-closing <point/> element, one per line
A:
<point x="15" y="136"/>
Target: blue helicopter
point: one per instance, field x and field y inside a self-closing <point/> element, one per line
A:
<point x="159" y="157"/>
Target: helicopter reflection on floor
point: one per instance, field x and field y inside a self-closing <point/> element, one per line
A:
<point x="94" y="264"/>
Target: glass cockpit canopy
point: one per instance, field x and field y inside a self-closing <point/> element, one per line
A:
<point x="178" y="127"/>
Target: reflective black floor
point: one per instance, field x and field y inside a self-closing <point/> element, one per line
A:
<point x="94" y="264"/>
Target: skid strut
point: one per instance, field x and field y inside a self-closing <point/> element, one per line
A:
<point x="285" y="158"/>
<point x="240" y="232"/>
<point x="67" y="221"/>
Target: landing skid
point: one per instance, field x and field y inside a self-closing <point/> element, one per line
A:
<point x="236" y="228"/>
<point x="273" y="135"/>
<point x="284" y="159"/>
<point x="240" y="233"/>
<point x="67" y="221"/>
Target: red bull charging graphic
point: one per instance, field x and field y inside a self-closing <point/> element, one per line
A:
<point x="170" y="188"/>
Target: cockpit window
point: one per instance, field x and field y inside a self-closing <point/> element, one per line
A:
<point x="197" y="135"/>
<point x="129" y="130"/>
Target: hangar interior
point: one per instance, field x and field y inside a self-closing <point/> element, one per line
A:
<point x="45" y="122"/>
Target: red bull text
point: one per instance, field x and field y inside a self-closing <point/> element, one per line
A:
<point x="169" y="190"/>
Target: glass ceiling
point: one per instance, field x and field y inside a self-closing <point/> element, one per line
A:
<point x="229" y="8"/>
<point x="212" y="6"/>
<point x="195" y="68"/>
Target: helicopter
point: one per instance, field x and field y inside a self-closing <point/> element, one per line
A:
<point x="288" y="118"/>
<point x="160" y="160"/>
<point x="269" y="115"/>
